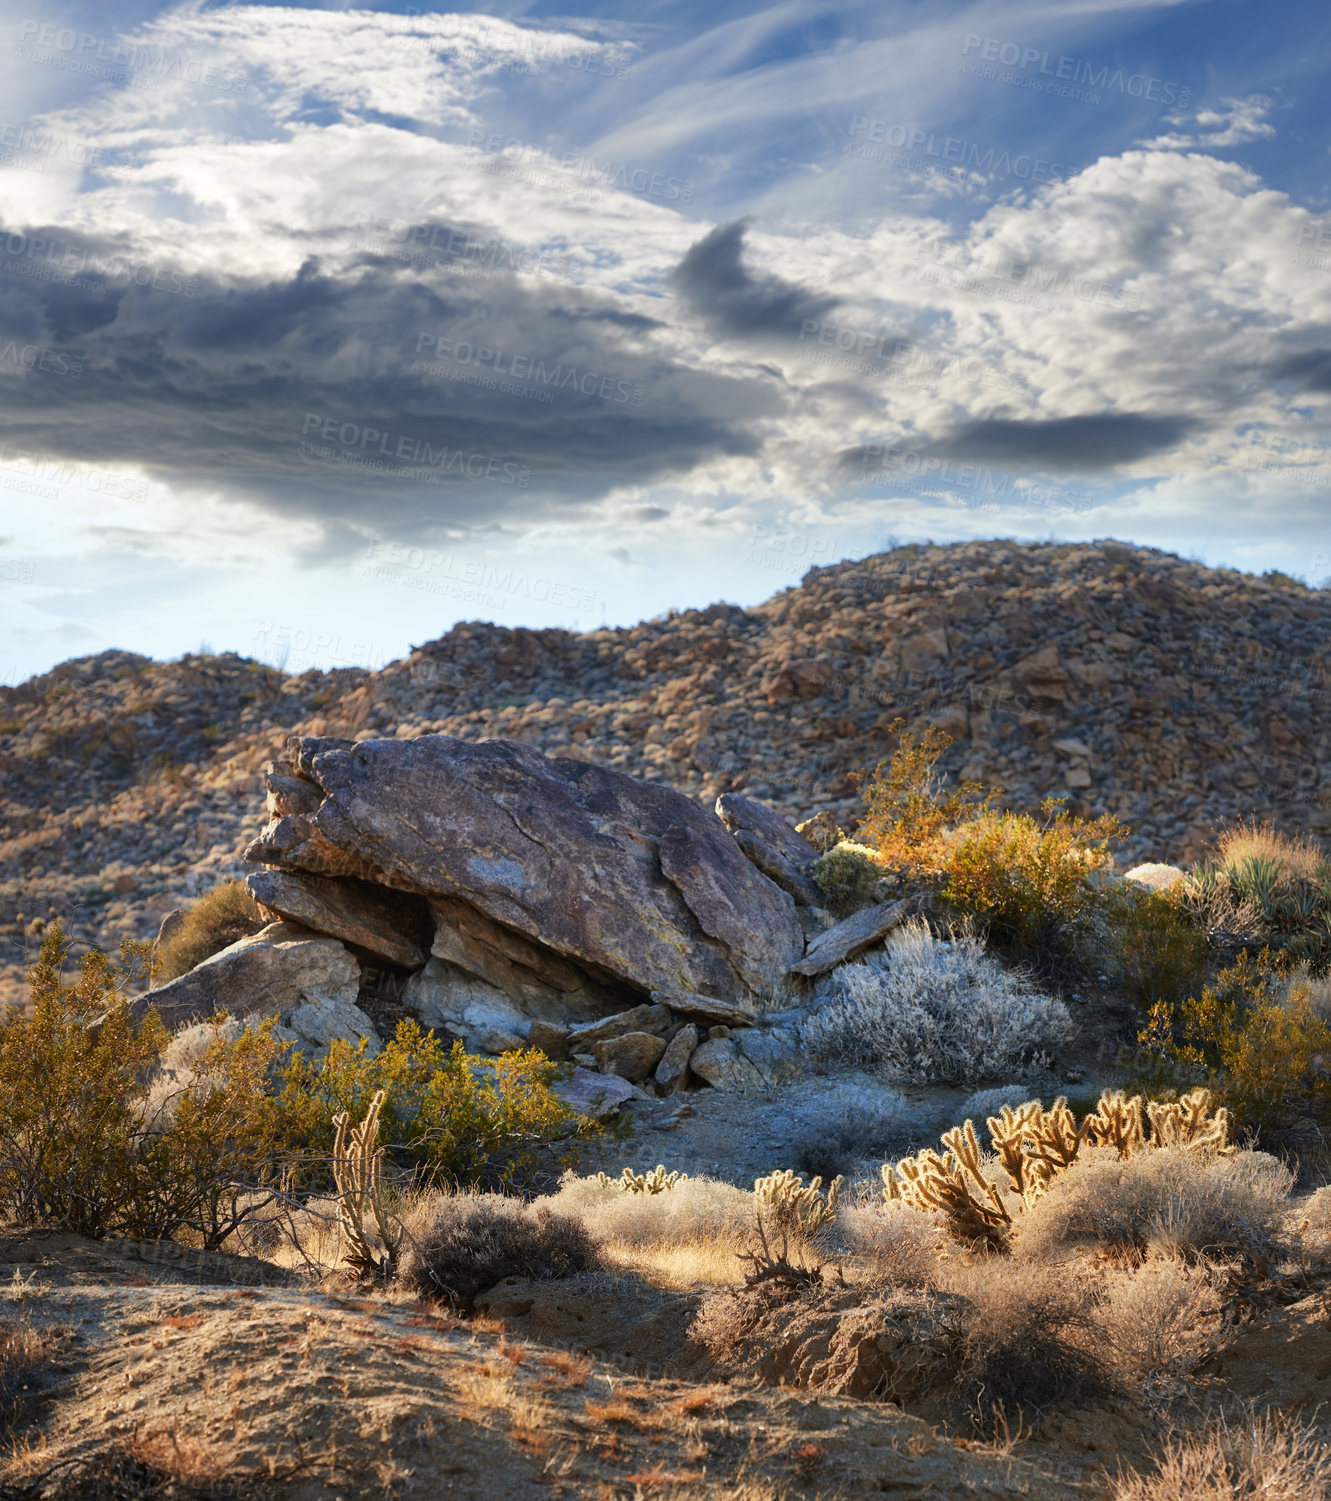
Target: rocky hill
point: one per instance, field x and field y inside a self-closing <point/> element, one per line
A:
<point x="1178" y="696"/>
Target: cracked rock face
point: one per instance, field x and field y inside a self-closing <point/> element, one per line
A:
<point x="631" y="881"/>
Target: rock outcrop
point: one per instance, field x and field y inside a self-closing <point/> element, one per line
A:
<point x="629" y="880"/>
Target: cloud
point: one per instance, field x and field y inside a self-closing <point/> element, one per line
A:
<point x="1234" y="123"/>
<point x="736" y="303"/>
<point x="1310" y="371"/>
<point x="1066" y="443"/>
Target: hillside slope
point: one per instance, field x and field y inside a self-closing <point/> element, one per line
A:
<point x="1178" y="696"/>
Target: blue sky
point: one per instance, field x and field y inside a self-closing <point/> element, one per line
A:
<point x="323" y="328"/>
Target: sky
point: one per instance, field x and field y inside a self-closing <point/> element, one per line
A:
<point x="324" y="328"/>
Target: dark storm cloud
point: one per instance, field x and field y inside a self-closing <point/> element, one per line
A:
<point x="1310" y="371"/>
<point x="318" y="394"/>
<point x="1068" y="443"/>
<point x="713" y="281"/>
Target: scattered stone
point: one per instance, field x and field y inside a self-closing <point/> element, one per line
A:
<point x="653" y="1018"/>
<point x="550" y="1038"/>
<point x="673" y="1068"/>
<point x="821" y="831"/>
<point x="849" y="937"/>
<point x="720" y="1062"/>
<point x="312" y="1025"/>
<point x="706" y="1008"/>
<point x="715" y="1034"/>
<point x="631" y="1055"/>
<point x="591" y="1093"/>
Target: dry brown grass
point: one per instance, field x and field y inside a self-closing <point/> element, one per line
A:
<point x="1273" y="1456"/>
<point x="894" y="1245"/>
<point x="1298" y="859"/>
<point x="227" y="914"/>
<point x="1155" y="1323"/>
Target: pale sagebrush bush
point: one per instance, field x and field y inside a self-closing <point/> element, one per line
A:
<point x="1155" y="1323"/>
<point x="895" y="1246"/>
<point x="695" y="1211"/>
<point x="848" y="1124"/>
<point x="1173" y="1201"/>
<point x="179" y="1069"/>
<point x="458" y="1245"/>
<point x="935" y="1011"/>
<point x="1272" y="1456"/>
<point x="986" y="1102"/>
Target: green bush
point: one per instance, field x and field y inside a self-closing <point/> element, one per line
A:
<point x="86" y="1145"/>
<point x="459" y="1120"/>
<point x="227" y="914"/>
<point x="1256" y="1039"/>
<point x="1027" y="880"/>
<point x="847" y="875"/>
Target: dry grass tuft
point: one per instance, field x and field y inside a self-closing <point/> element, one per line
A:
<point x="1154" y="1324"/>
<point x="227" y="914"/>
<point x="1273" y="1456"/>
<point x="894" y="1245"/>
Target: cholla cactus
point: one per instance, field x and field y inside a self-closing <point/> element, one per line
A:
<point x="955" y="1184"/>
<point x="358" y="1172"/>
<point x="1185" y="1123"/>
<point x="795" y="1205"/>
<point x="655" y="1182"/>
<point x="1034" y="1147"/>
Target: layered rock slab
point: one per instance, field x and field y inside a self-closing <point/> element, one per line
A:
<point x="628" y="878"/>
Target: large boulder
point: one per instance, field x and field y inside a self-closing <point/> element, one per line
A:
<point x="857" y="932"/>
<point x="629" y="879"/>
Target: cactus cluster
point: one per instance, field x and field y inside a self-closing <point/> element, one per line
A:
<point x="358" y="1165"/>
<point x="1033" y="1147"/>
<point x="795" y="1205"/>
<point x="656" y="1182"/>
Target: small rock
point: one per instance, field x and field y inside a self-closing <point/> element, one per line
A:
<point x="637" y="1019"/>
<point x="1074" y="1076"/>
<point x="631" y="1055"/>
<point x="591" y="1093"/>
<point x="549" y="1037"/>
<point x="673" y="1068"/>
<point x="715" y="1034"/>
<point x="721" y="1064"/>
<point x="705" y="1007"/>
<point x="849" y="937"/>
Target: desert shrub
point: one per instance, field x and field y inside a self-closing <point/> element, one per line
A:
<point x="696" y="1211"/>
<point x="1172" y="1201"/>
<point x="88" y="1139"/>
<point x="1022" y="1344"/>
<point x="227" y="914"/>
<point x="1272" y="1455"/>
<point x="458" y="1245"/>
<point x="1028" y="880"/>
<point x="464" y="1121"/>
<point x="1256" y="1037"/>
<point x="1156" y="1322"/>
<point x="847" y="876"/>
<point x="895" y="1246"/>
<point x="931" y="1011"/>
<point x="1264" y="887"/>
<point x="1159" y="947"/>
<point x="848" y="1124"/>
